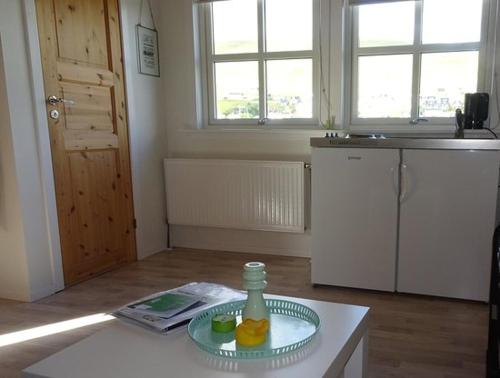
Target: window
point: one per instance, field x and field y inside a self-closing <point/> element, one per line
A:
<point x="414" y="60"/>
<point x="261" y="60"/>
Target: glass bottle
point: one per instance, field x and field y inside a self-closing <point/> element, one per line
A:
<point x="254" y="281"/>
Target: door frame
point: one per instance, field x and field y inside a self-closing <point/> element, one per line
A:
<point x="43" y="138"/>
<point x="43" y="141"/>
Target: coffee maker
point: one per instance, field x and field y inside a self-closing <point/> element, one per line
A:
<point x="475" y="112"/>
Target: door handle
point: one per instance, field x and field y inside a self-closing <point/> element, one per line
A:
<point x="54" y="100"/>
<point x="404" y="183"/>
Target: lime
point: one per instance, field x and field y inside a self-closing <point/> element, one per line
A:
<point x="223" y="323"/>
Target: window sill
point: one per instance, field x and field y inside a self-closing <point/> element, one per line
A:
<point x="401" y="128"/>
<point x="306" y="130"/>
<point x="300" y="132"/>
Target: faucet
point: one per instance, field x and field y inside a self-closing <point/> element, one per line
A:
<point x="459" y="124"/>
<point x="416" y="121"/>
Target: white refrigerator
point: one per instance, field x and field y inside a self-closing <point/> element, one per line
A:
<point x="413" y="221"/>
<point x="447" y="221"/>
<point x="354" y="217"/>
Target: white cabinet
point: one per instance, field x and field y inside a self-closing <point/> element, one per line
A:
<point x="354" y="217"/>
<point x="447" y="219"/>
<point x="414" y="221"/>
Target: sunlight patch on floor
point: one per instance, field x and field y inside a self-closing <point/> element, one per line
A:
<point x="52" y="329"/>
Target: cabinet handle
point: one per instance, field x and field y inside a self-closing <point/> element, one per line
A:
<point x="404" y="183"/>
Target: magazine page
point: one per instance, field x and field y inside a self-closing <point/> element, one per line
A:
<point x="208" y="294"/>
<point x="166" y="305"/>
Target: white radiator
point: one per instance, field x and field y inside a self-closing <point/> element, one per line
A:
<point x="239" y="194"/>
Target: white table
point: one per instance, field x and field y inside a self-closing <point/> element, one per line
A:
<point x="126" y="351"/>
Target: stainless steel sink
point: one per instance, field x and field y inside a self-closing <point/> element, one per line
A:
<point x="421" y="141"/>
<point x="411" y="136"/>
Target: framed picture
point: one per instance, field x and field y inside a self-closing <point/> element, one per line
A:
<point x="147" y="51"/>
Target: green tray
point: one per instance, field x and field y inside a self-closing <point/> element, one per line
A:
<point x="292" y="326"/>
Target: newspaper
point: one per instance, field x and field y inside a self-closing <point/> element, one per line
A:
<point x="157" y="312"/>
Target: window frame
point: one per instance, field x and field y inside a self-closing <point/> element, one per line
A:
<point x="416" y="50"/>
<point x="209" y="58"/>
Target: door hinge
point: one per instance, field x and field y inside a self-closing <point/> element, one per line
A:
<point x="134" y="223"/>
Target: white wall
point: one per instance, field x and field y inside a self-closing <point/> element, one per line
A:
<point x="178" y="65"/>
<point x="184" y="140"/>
<point x="13" y="272"/>
<point x="495" y="98"/>
<point x="32" y="240"/>
<point x="148" y="136"/>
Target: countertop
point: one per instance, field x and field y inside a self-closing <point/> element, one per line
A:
<point x="419" y="143"/>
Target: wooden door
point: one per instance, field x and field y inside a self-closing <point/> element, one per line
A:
<point x="81" y="53"/>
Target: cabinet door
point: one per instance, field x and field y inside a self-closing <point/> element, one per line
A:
<point x="354" y="217"/>
<point x="447" y="216"/>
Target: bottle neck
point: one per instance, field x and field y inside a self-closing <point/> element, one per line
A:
<point x="255" y="295"/>
<point x="255" y="292"/>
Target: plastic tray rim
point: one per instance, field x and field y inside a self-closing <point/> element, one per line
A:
<point x="275" y="306"/>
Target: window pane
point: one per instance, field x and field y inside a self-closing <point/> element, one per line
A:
<point x="289" y="25"/>
<point x="445" y="79"/>
<point x="289" y="88"/>
<point x="237" y="90"/>
<point x="235" y="26"/>
<point x="389" y="24"/>
<point x="452" y="21"/>
<point x="384" y="87"/>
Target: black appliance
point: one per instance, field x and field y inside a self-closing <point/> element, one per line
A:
<point x="492" y="355"/>
<point x="475" y="111"/>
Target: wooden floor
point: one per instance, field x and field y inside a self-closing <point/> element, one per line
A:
<point x="410" y="336"/>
